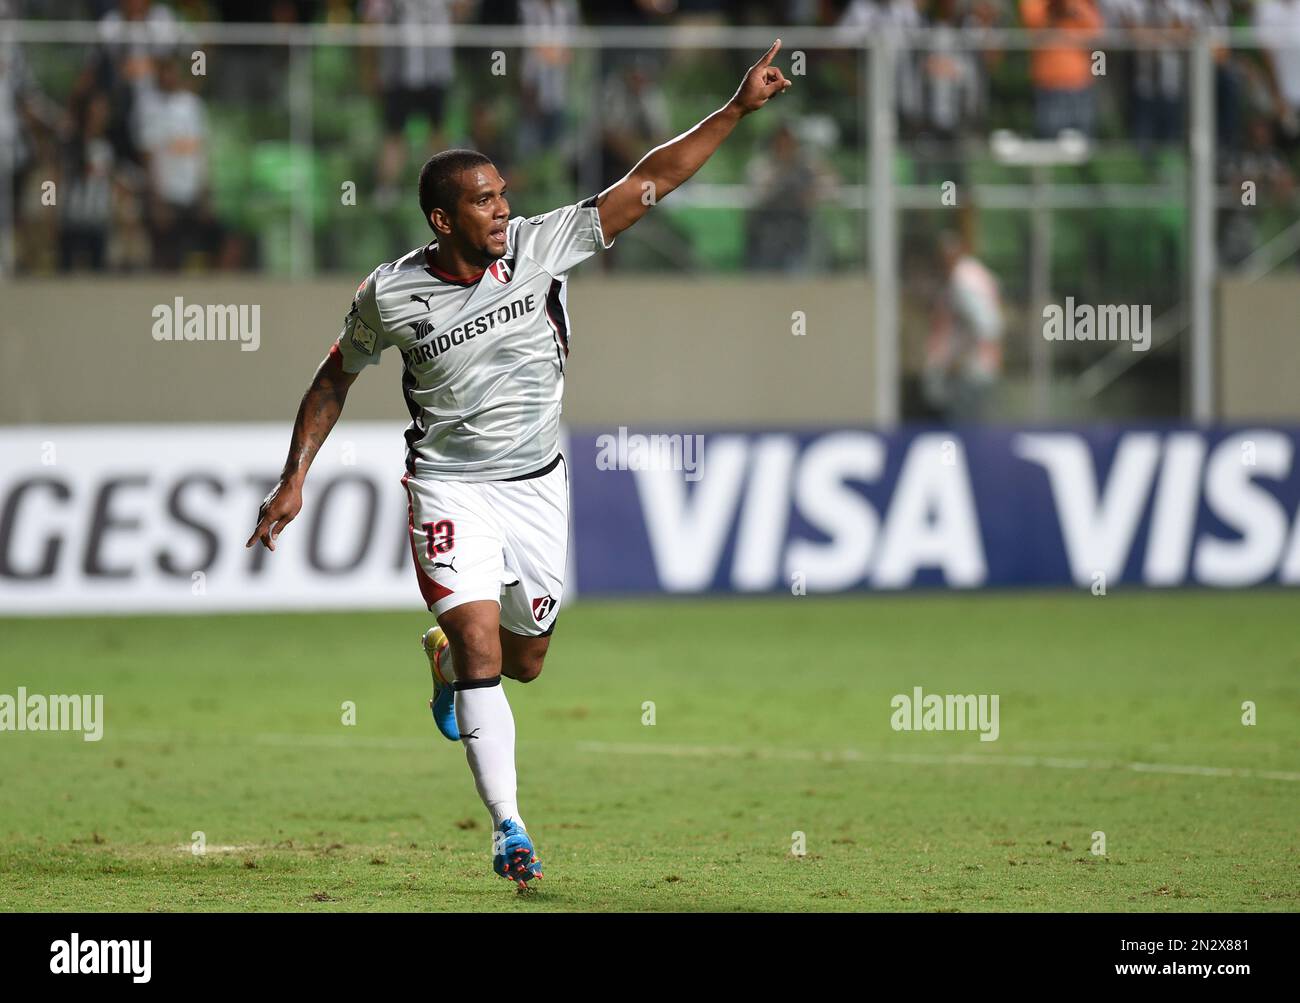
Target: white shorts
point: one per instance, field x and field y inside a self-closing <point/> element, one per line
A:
<point x="506" y="541"/>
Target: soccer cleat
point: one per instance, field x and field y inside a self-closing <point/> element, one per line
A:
<point x="517" y="860"/>
<point x="443" y="704"/>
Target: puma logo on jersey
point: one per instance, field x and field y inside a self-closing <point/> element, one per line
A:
<point x="447" y="564"/>
<point x="466" y="736"/>
<point x="423" y="299"/>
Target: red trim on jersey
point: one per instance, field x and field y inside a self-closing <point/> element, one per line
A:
<point x="335" y="350"/>
<point x="438" y="273"/>
<point x="431" y="590"/>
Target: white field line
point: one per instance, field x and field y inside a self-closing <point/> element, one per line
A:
<point x="925" y="759"/>
<point x="843" y="755"/>
<point x="306" y="740"/>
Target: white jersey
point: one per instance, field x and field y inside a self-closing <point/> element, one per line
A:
<point x="483" y="359"/>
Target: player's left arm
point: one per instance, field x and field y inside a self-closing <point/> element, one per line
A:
<point x="668" y="166"/>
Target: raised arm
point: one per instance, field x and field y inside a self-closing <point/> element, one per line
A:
<point x="668" y="166"/>
<point x="320" y="409"/>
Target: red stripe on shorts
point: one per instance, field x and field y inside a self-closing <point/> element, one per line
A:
<point x="431" y="590"/>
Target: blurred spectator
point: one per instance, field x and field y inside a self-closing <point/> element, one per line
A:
<point x="633" y="118"/>
<point x="880" y="15"/>
<point x="1259" y="163"/>
<point x="546" y="71"/>
<point x="1229" y="77"/>
<point x="950" y="92"/>
<point x="87" y="187"/>
<point x="1274" y="18"/>
<point x="890" y="18"/>
<point x="1159" y="78"/>
<point x="786" y="181"/>
<point x="963" y="355"/>
<point x="16" y="89"/>
<point x="1061" y="67"/>
<point x="413" y="79"/>
<point x="135" y="38"/>
<point x="175" y="144"/>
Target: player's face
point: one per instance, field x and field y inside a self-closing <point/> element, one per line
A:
<point x="483" y="212"/>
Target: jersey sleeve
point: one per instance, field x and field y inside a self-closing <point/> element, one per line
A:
<point x="362" y="338"/>
<point x="561" y="238"/>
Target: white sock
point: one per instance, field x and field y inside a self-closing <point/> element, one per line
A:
<point x="484" y="713"/>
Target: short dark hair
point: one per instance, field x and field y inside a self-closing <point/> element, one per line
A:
<point x="439" y="179"/>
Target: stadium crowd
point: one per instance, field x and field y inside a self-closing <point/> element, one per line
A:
<point x="130" y="138"/>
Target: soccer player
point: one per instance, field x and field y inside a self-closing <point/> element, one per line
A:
<point x="480" y="320"/>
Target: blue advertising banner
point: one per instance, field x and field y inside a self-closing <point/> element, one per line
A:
<point x="1091" y="506"/>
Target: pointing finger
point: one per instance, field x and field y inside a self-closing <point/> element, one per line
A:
<point x="258" y="532"/>
<point x="770" y="54"/>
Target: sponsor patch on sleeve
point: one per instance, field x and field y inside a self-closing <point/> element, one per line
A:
<point x="363" y="339"/>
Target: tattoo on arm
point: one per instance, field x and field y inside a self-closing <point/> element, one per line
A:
<point x="320" y="409"/>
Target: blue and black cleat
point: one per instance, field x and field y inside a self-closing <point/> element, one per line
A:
<point x="514" y="856"/>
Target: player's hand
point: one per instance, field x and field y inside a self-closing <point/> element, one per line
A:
<point x="278" y="510"/>
<point x="763" y="82"/>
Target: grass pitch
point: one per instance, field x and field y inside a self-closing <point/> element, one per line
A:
<point x="1120" y="715"/>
